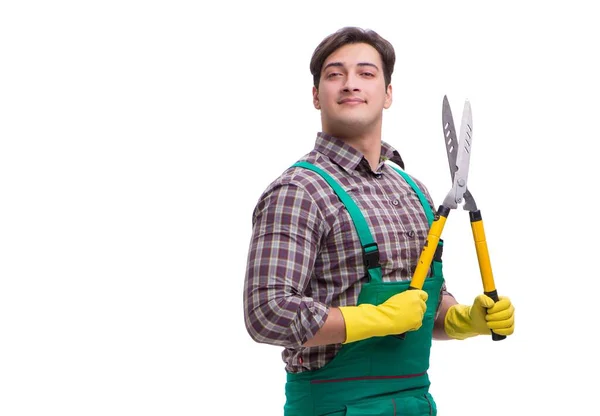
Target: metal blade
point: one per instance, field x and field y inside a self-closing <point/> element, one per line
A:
<point x="449" y="136"/>
<point x="452" y="149"/>
<point x="464" y="154"/>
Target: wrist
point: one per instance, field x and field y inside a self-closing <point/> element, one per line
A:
<point x="458" y="323"/>
<point x="362" y="322"/>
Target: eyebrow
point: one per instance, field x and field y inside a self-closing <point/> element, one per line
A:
<point x="340" y="64"/>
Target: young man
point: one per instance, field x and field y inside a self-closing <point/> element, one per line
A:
<point x="335" y="241"/>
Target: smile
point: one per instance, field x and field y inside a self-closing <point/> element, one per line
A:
<point x="352" y="101"/>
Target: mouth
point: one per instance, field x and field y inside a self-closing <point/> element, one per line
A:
<point x="352" y="101"/>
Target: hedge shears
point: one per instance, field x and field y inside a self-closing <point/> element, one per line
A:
<point x="459" y="154"/>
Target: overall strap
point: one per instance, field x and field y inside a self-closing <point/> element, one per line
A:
<point x="437" y="257"/>
<point x="369" y="246"/>
<point x="422" y="198"/>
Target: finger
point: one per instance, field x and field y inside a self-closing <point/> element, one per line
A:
<point x="501" y="315"/>
<point x="507" y="323"/>
<point x="484" y="301"/>
<point x="416" y="328"/>
<point x="503" y="304"/>
<point x="505" y="331"/>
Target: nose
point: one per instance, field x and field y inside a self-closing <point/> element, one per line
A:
<point x="350" y="84"/>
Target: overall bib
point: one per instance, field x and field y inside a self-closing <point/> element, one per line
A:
<point x="380" y="375"/>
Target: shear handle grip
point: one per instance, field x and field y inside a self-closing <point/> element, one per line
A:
<point x="494" y="296"/>
<point x="483" y="257"/>
<point x="426" y="257"/>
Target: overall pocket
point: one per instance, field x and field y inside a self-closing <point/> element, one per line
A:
<point x="422" y="405"/>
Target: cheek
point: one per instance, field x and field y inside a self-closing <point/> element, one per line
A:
<point x="380" y="97"/>
<point x="326" y="100"/>
<point x="323" y="94"/>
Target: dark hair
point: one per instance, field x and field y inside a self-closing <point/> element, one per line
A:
<point x="349" y="35"/>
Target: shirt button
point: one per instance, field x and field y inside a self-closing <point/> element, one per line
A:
<point x="395" y="202"/>
<point x="411" y="233"/>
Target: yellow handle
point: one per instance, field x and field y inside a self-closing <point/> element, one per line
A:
<point x="429" y="248"/>
<point x="483" y="256"/>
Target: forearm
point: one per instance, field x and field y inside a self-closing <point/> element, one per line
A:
<point x="333" y="330"/>
<point x="286" y="321"/>
<point x="400" y="313"/>
<point x="439" y="333"/>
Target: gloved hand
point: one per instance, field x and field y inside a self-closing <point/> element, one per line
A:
<point x="464" y="321"/>
<point x="400" y="313"/>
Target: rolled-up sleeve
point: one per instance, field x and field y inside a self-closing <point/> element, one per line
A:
<point x="287" y="229"/>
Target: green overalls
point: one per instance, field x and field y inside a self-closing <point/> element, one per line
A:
<point x="380" y="375"/>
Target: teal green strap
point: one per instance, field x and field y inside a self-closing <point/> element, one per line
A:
<point x="371" y="251"/>
<point x="424" y="202"/>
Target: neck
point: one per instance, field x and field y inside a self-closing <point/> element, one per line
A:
<point x="368" y="143"/>
<point x="364" y="137"/>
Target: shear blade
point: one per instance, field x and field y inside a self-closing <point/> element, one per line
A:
<point x="458" y="152"/>
<point x="449" y="136"/>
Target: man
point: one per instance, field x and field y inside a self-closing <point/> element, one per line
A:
<point x="335" y="241"/>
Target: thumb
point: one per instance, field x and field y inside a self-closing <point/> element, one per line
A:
<point x="424" y="296"/>
<point x="483" y="301"/>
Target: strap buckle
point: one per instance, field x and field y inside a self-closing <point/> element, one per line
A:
<point x="371" y="256"/>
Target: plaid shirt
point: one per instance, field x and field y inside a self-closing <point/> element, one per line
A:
<point x="305" y="255"/>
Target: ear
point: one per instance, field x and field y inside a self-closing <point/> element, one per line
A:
<point x="388" y="97"/>
<point x="315" y="93"/>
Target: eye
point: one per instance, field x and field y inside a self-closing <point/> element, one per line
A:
<point x="333" y="74"/>
<point x="368" y="74"/>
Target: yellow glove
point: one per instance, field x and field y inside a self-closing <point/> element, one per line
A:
<point x="400" y="313"/>
<point x="484" y="315"/>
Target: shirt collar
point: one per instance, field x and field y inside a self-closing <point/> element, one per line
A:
<point x="348" y="157"/>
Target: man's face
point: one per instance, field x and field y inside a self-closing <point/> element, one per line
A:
<point x="352" y="92"/>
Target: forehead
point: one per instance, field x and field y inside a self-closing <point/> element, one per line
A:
<point x="353" y="53"/>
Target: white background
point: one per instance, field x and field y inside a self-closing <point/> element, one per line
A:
<point x="136" y="138"/>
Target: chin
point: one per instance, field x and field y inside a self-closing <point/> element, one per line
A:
<point x="346" y="130"/>
<point x="354" y="124"/>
